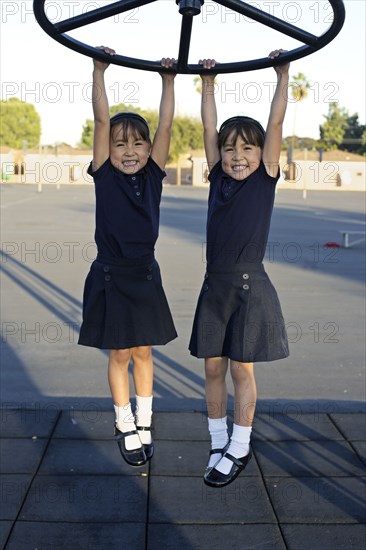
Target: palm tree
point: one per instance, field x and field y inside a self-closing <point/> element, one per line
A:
<point x="300" y="86"/>
<point x="299" y="91"/>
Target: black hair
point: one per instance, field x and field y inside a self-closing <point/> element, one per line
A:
<point x="131" y="123"/>
<point x="249" y="129"/>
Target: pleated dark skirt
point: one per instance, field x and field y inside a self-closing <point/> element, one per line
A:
<point x="124" y="305"/>
<point x="239" y="316"/>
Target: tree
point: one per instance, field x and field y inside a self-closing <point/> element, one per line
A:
<point x="87" y="134"/>
<point x="334" y="127"/>
<point x="299" y="87"/>
<point x="186" y="136"/>
<point x="20" y="124"/>
<point x="299" y="142"/>
<point x="299" y="91"/>
<point x="352" y="138"/>
<point x="186" y="132"/>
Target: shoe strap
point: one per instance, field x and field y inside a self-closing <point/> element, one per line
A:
<point x="120" y="434"/>
<point x="216" y="451"/>
<point x="144" y="428"/>
<point x="236" y="461"/>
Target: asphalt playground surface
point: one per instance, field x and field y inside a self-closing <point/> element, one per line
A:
<point x="64" y="484"/>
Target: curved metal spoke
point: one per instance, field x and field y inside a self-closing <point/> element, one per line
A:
<point x="312" y="42"/>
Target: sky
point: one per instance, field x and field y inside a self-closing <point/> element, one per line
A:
<point x="37" y="69"/>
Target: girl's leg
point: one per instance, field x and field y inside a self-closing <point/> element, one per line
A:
<point x="143" y="374"/>
<point x="245" y="392"/>
<point x="143" y="370"/>
<point x="245" y="396"/>
<point x="216" y="398"/>
<point x="119" y="360"/>
<point x="216" y="390"/>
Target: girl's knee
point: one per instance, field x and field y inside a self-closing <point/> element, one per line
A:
<point x="215" y="368"/>
<point x="241" y="370"/>
<point x="120" y="356"/>
<point x="142" y="353"/>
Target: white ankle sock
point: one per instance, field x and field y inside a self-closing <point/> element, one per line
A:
<point x="239" y="447"/>
<point x="219" y="437"/>
<point x="143" y="417"/>
<point x="125" y="423"/>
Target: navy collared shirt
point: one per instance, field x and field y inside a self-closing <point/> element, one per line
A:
<point x="239" y="216"/>
<point x="127" y="210"/>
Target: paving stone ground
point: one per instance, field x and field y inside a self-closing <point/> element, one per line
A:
<point x="64" y="484"/>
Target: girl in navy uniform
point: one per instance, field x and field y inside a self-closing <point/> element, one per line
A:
<point x="125" y="309"/>
<point x="238" y="320"/>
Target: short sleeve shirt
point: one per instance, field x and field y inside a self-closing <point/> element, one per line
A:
<point x="239" y="216"/>
<point x="127" y="210"/>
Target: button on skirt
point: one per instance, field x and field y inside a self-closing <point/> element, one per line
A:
<point x="124" y="305"/>
<point x="239" y="316"/>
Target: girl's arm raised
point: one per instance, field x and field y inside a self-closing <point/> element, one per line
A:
<point x="101" y="140"/>
<point x="209" y="115"/>
<point x="273" y="140"/>
<point x="163" y="134"/>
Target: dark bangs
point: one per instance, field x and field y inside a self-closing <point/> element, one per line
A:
<point x="250" y="130"/>
<point x="125" y="127"/>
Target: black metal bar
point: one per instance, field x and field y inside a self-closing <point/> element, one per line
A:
<point x="339" y="14"/>
<point x="253" y="64"/>
<point x="270" y="21"/>
<point x="99" y="14"/>
<point x="89" y="17"/>
<point x="185" y="41"/>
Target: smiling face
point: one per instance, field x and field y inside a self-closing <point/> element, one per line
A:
<point x="129" y="152"/>
<point x="239" y="158"/>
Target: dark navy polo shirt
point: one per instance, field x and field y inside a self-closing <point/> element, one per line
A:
<point x="239" y="216"/>
<point x="127" y="210"/>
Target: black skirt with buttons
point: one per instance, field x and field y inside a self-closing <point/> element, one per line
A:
<point x="124" y="305"/>
<point x="239" y="316"/>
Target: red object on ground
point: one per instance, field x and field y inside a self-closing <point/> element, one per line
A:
<point x="332" y="245"/>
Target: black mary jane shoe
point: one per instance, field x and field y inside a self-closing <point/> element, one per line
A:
<point x="214" y="478"/>
<point x="148" y="447"/>
<point x="216" y="452"/>
<point x="134" y="457"/>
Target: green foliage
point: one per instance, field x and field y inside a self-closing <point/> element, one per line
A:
<point x="186" y="136"/>
<point x="299" y="87"/>
<point x="186" y="132"/>
<point x="20" y="124"/>
<point x="353" y="140"/>
<point x="342" y="131"/>
<point x="334" y="127"/>
<point x="87" y="134"/>
<point x="300" y="143"/>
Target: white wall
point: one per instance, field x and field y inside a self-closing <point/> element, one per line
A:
<point x="61" y="169"/>
<point x="48" y="169"/>
<point x="308" y="174"/>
